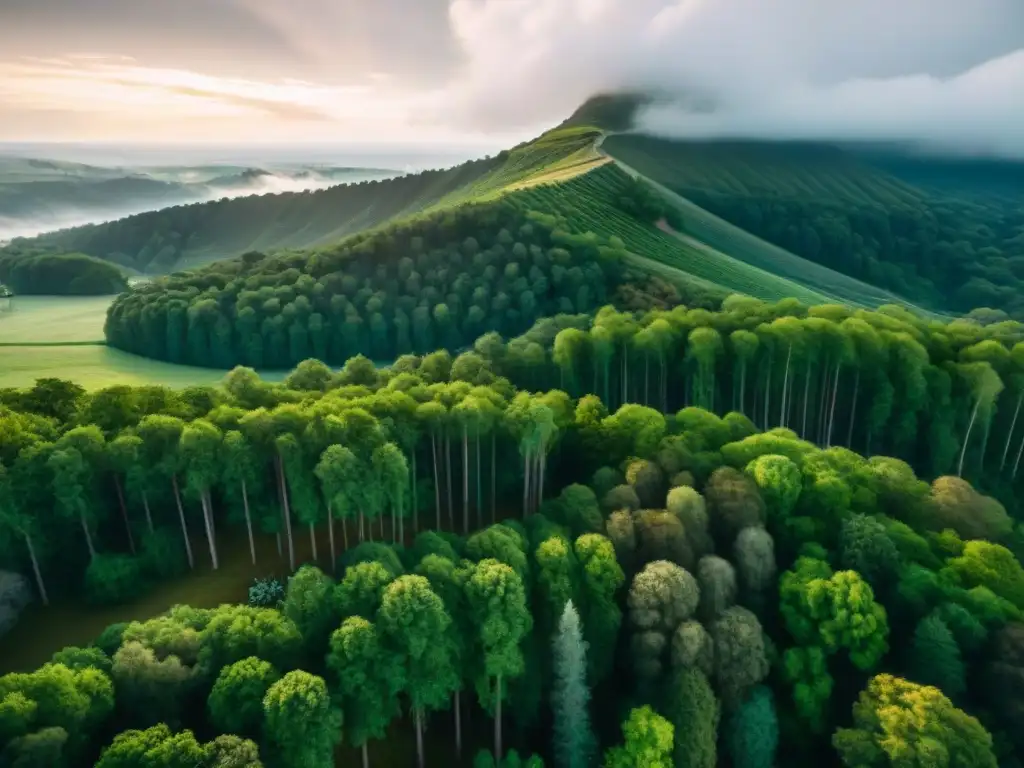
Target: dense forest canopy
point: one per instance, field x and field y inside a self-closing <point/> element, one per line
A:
<point x="749" y="589"/>
<point x="60" y="274"/>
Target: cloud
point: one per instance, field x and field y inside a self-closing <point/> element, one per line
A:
<point x="940" y="70"/>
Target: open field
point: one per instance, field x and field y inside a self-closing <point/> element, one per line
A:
<point x="49" y="319"/>
<point x="99" y="366"/>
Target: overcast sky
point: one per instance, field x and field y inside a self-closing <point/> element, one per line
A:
<point x="493" y="71"/>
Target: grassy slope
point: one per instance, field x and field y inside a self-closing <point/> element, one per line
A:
<point x="224" y="229"/>
<point x="744" y="168"/>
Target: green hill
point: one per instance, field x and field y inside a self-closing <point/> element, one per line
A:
<point x="189" y="235"/>
<point x="946" y="234"/>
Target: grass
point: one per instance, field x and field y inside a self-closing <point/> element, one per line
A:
<point x="49" y="319"/>
<point x="97" y="366"/>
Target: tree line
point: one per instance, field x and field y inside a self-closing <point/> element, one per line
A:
<point x="439" y="281"/>
<point x="59" y="274"/>
<point x="719" y="589"/>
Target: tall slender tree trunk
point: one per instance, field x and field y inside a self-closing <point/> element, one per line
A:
<point x="479" y="488"/>
<point x="248" y="522"/>
<point x="149" y="513"/>
<point x="344" y="532"/>
<point x="401" y="526"/>
<point x="785" y="388"/>
<point x="807" y="393"/>
<point x="312" y="541"/>
<point x="768" y="390"/>
<point x="743" y="387"/>
<point x="823" y="402"/>
<point x="1013" y="425"/>
<point x="124" y="512"/>
<point x="418" y="718"/>
<point x="526" y="482"/>
<point x="286" y="510"/>
<point x="448" y="480"/>
<point x="330" y="538"/>
<point x="465" y="480"/>
<point x="415" y="498"/>
<point x="88" y="536"/>
<point x="35" y="569"/>
<point x="280" y="549"/>
<point x="853" y="410"/>
<point x="542" y="460"/>
<point x="832" y="407"/>
<point x="181" y="519"/>
<point x="458" y="725"/>
<point x="437" y="479"/>
<point x="497" y="721"/>
<point x="366" y="755"/>
<point x="1016" y="462"/>
<point x="967" y="439"/>
<point x="204" y="500"/>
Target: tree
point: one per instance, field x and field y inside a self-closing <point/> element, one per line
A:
<point x="200" y="453"/>
<point x="309" y="603"/>
<point x="415" y="624"/>
<point x="740" y="660"/>
<point x="865" y="547"/>
<point x="367" y="679"/>
<point x="301" y="725"/>
<point x="694" y="712"/>
<point x="242" y="471"/>
<point x="897" y="722"/>
<point x="602" y="578"/>
<point x="392" y="472"/>
<point x="734" y="502"/>
<point x="150" y="689"/>
<point x="43" y="749"/>
<point x="717" y="582"/>
<point x="229" y="751"/>
<point x="780" y="482"/>
<point x="836" y="610"/>
<point x="647" y="743"/>
<point x="17" y="520"/>
<point x="753" y="731"/>
<point x="235" y="632"/>
<point x="575" y="745"/>
<point x="339" y="475"/>
<point x="985" y="386"/>
<point x="361" y="591"/>
<point x="935" y="658"/>
<point x="235" y="704"/>
<point x="157" y="746"/>
<point x="497" y="602"/>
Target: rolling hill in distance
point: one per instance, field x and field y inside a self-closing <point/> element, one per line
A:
<point x="860" y="224"/>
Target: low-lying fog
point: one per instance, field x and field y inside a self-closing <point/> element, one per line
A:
<point x="78" y="184"/>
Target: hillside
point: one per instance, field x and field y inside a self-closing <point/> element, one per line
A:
<point x="945" y="234"/>
<point x="189" y="235"/>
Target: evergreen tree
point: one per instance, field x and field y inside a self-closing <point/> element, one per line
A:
<point x="574" y="739"/>
<point x="935" y="657"/>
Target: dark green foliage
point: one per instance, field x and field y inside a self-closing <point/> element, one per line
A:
<point x="866" y="548"/>
<point x="235" y="704"/>
<point x="694" y="712"/>
<point x="82" y="658"/>
<point x="63" y="274"/>
<point x="266" y="593"/>
<point x="114" y="578"/>
<point x="373" y="552"/>
<point x="752" y="731"/>
<point x="110" y="638"/>
<point x="162" y="554"/>
<point x="935" y="658"/>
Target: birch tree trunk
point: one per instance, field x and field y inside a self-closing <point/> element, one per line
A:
<point x="330" y="539"/>
<point x="88" y="535"/>
<point x="312" y="541"/>
<point x="35" y="569"/>
<point x="124" y="512"/>
<point x="286" y="510"/>
<point x="1013" y="425"/>
<point x="853" y="409"/>
<point x="448" y="479"/>
<point x="526" y="482"/>
<point x="204" y="500"/>
<point x="418" y="716"/>
<point x="248" y="522"/>
<point x="437" y="480"/>
<point x="785" y="388"/>
<point x="465" y="480"/>
<point x="149" y="513"/>
<point x="832" y="408"/>
<point x="458" y="725"/>
<point x="967" y="438"/>
<point x="181" y="518"/>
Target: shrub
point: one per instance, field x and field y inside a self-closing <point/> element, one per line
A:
<point x="111" y="579"/>
<point x="266" y="593"/>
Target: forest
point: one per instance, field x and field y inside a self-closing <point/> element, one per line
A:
<point x="435" y="281"/>
<point x="673" y="537"/>
<point x="950" y="236"/>
<point x="59" y="274"/>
